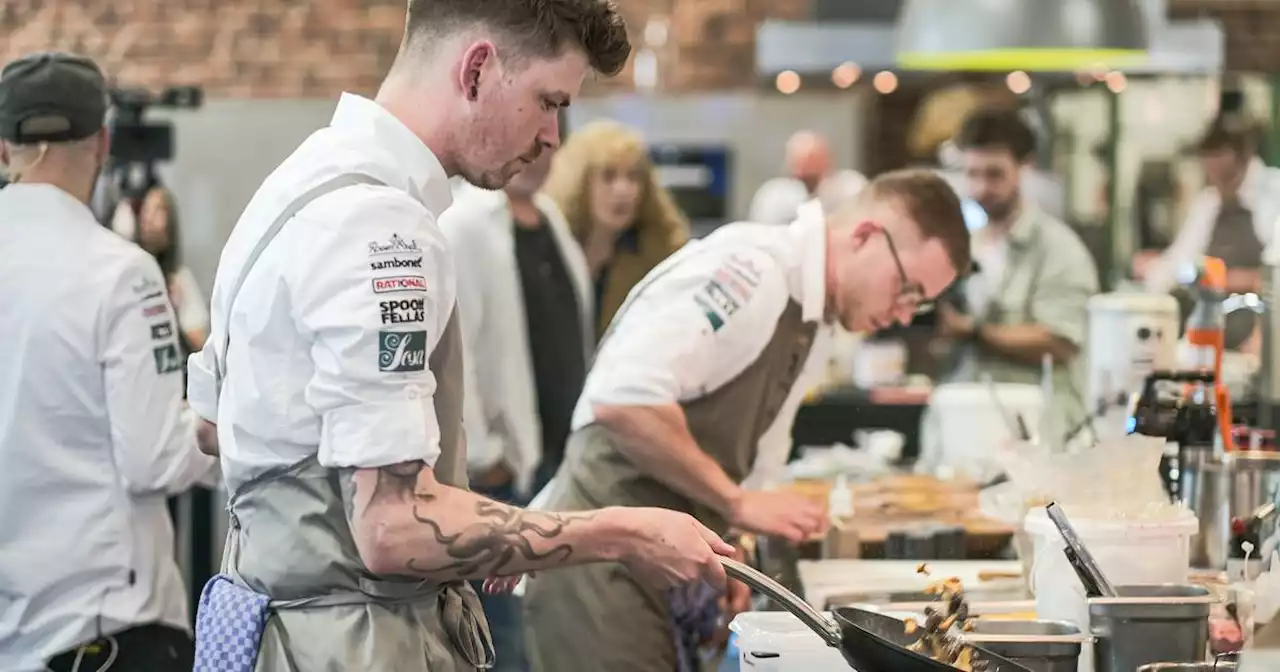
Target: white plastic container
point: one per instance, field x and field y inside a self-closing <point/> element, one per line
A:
<point x="776" y="641"/>
<point x="1131" y="334"/>
<point x="967" y="426"/>
<point x="1129" y="552"/>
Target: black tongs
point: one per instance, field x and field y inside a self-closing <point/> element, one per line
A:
<point x="1095" y="584"/>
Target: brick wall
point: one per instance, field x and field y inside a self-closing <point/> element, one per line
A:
<point x="315" y="48"/>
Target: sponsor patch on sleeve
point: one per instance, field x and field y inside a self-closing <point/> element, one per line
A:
<point x="399" y="283"/>
<point x="155" y="309"/>
<point x="167" y="358"/>
<point x="161" y="331"/>
<point x="402" y="311"/>
<point x="402" y="351"/>
<point x="394" y="245"/>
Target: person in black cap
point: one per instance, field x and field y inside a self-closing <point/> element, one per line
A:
<point x="94" y="434"/>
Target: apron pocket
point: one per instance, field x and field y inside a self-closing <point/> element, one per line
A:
<point x="229" y="626"/>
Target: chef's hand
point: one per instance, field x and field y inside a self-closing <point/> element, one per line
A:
<point x="668" y="548"/>
<point x="503" y="585"/>
<point x="779" y="513"/>
<point x="954" y="324"/>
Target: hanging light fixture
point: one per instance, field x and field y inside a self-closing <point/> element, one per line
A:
<point x="1029" y="35"/>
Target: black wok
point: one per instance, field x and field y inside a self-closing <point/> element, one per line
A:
<point x="870" y="642"/>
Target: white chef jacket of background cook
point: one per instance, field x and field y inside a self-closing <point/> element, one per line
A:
<point x="93" y="432"/>
<point x="663" y="350"/>
<point x="303" y="371"/>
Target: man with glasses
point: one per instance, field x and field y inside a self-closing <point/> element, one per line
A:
<point x="1030" y="296"/>
<point x="697" y="382"/>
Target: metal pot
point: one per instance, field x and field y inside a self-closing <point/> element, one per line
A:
<point x="1218" y="488"/>
<point x="1149" y="624"/>
<point x="1040" y="646"/>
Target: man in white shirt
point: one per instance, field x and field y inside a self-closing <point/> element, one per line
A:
<point x="94" y="435"/>
<point x="697" y="367"/>
<point x="1234" y="216"/>
<point x="340" y="415"/>
<point x="808" y="159"/>
<point x="525" y="310"/>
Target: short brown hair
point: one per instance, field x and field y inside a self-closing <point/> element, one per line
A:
<point x="537" y="28"/>
<point x="997" y="128"/>
<point x="1228" y="131"/>
<point x="932" y="204"/>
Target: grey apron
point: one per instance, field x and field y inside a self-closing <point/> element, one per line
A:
<point x="289" y="542"/>
<point x="599" y="613"/>
<point x="1234" y="239"/>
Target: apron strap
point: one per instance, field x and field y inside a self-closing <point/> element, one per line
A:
<point x="328" y="186"/>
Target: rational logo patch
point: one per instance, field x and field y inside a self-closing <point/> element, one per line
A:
<point x="167" y="358"/>
<point x="399" y="283"/>
<point x="402" y="351"/>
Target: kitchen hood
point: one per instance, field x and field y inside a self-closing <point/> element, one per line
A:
<point x="1004" y="35"/>
<point x="1173" y="47"/>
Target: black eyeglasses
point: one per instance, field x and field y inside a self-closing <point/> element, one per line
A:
<point x="911" y="292"/>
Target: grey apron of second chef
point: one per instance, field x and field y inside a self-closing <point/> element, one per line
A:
<point x="1234" y="239"/>
<point x="598" y="617"/>
<point x="290" y="541"/>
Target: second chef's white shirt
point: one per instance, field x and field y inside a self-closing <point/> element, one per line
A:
<point x="333" y="327"/>
<point x="702" y="316"/>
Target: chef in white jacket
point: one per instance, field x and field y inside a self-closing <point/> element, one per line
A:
<point x="94" y="435"/>
<point x="1234" y="217"/>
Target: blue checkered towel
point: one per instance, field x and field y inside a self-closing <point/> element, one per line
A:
<point x="229" y="624"/>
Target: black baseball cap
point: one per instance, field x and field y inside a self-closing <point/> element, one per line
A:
<point x="51" y="97"/>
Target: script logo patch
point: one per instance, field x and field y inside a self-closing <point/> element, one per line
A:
<point x="402" y="351"/>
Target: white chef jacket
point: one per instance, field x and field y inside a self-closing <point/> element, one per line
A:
<point x="1259" y="193"/>
<point x="332" y="328"/>
<point x="501" y="407"/>
<point x="666" y="348"/>
<point x="94" y="435"/>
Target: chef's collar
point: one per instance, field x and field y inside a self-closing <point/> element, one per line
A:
<point x="360" y="116"/>
<point x="807" y="279"/>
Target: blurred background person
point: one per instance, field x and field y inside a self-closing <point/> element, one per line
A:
<point x="1233" y="217"/>
<point x="160" y="235"/>
<point x="1029" y="297"/>
<point x="525" y="305"/>
<point x="812" y="176"/>
<point x="94" y="434"/>
<point x="606" y="186"/>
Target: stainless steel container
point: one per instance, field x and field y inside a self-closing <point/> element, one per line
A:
<point x="1149" y="624"/>
<point x="1039" y="646"/>
<point x="1221" y="487"/>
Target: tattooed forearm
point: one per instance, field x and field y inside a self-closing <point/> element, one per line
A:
<point x="448" y="534"/>
<point x="499" y="536"/>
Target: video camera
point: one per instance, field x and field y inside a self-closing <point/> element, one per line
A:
<point x="135" y="140"/>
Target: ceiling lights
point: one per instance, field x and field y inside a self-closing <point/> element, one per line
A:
<point x="1028" y="35"/>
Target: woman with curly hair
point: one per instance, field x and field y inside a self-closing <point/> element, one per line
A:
<point x="627" y="223"/>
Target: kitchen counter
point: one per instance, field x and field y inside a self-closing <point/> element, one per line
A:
<point x="864" y="580"/>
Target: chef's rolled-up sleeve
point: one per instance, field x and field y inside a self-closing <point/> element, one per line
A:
<point x="691" y="330"/>
<point x="152" y="432"/>
<point x="373" y="291"/>
<point x="1061" y="299"/>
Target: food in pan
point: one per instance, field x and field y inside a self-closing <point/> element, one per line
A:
<point x="937" y="635"/>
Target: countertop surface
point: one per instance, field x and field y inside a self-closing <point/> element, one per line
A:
<point x="866" y="579"/>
